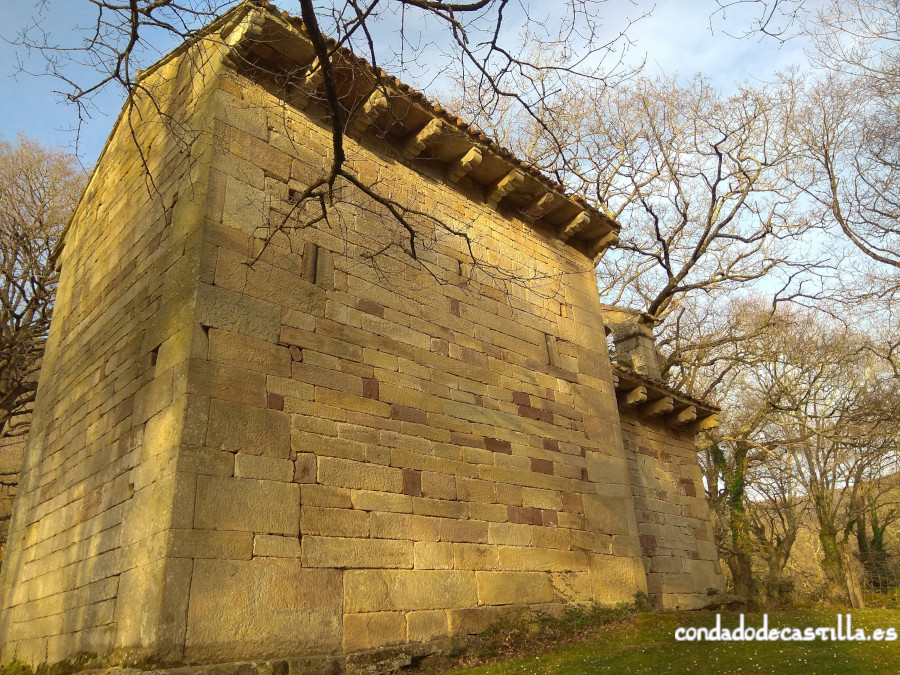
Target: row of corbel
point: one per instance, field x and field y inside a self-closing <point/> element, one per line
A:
<point x="306" y="87"/>
<point x="648" y="401"/>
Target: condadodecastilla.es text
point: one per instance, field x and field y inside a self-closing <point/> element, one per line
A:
<point x="841" y="631"/>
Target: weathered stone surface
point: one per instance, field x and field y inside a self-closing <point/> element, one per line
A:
<point x="266" y="607"/>
<point x="151" y="607"/>
<point x="359" y="475"/>
<point x="343" y="552"/>
<point x="247" y="505"/>
<point x="254" y="431"/>
<point x="267" y="545"/>
<point x="211" y="544"/>
<point x="426" y="625"/>
<point x="225" y="309"/>
<point x="608" y="515"/>
<point x="334" y="522"/>
<point x="389" y="590"/>
<point x="478" y="619"/>
<point x="616" y="579"/>
<point x="373" y="629"/>
<point x="511" y="588"/>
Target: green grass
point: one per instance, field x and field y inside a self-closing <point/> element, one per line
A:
<point x="645" y="643"/>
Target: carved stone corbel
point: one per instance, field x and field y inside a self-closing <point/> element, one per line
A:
<point x="574" y="226"/>
<point x="416" y="143"/>
<point x="660" y="406"/>
<point x="635" y="396"/>
<point x="539" y="206"/>
<point x="602" y="245"/>
<point x="368" y="112"/>
<point x="507" y="184"/>
<point x="684" y="416"/>
<point x="460" y="167"/>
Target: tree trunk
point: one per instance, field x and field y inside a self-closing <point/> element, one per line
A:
<point x="833" y="566"/>
<point x="740" y="562"/>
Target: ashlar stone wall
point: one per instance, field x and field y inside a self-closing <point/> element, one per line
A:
<point x="400" y="457"/>
<point x="100" y="498"/>
<point x="680" y="557"/>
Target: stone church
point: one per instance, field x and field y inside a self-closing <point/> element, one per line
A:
<point x="339" y="448"/>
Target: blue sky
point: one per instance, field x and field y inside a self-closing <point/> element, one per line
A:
<point x="678" y="36"/>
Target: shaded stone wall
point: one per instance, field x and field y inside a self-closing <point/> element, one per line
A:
<point x="97" y="485"/>
<point x="10" y="461"/>
<point x="680" y="556"/>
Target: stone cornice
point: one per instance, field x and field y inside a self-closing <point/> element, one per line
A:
<point x="275" y="45"/>
<point x="650" y="398"/>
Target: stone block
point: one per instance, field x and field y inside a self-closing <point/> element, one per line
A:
<point x="367" y="500"/>
<point x="324" y="496"/>
<point x="254" y="431"/>
<point x="373" y="629"/>
<point x="152" y="398"/>
<point x="473" y="620"/>
<point x="442" y="508"/>
<point x="245" y="208"/>
<point x="268" y="607"/>
<point x="266" y="468"/>
<point x="553" y="560"/>
<point x="210" y="544"/>
<point x="334" y="522"/>
<point x="475" y="490"/>
<point x="572" y="587"/>
<point x="267" y="545"/>
<point x="405" y="526"/>
<point x="392" y="590"/>
<point x="513" y="588"/>
<point x="615" y="579"/>
<point x="283" y="287"/>
<point x="472" y="531"/>
<point x="250" y="353"/>
<point x="475" y="557"/>
<point x="341" y="552"/>
<point x="247" y="505"/>
<point x="495" y="513"/>
<point x="432" y="555"/>
<point x="359" y="475"/>
<point x="438" y="485"/>
<point x="305" y="468"/>
<point x="223" y="308"/>
<point x="542" y="499"/>
<point x="592" y="542"/>
<point x="513" y="534"/>
<point x="425" y="625"/>
<point x="609" y="515"/>
<point x="151" y="607"/>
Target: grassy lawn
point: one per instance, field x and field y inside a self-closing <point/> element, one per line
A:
<point x="645" y="643"/>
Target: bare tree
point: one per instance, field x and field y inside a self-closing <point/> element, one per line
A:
<point x="698" y="185"/>
<point x="846" y="126"/>
<point x="39" y="187"/>
<point x="777" y="19"/>
<point x="830" y="411"/>
<point x="695" y="177"/>
<point x="808" y="432"/>
<point x="777" y="512"/>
